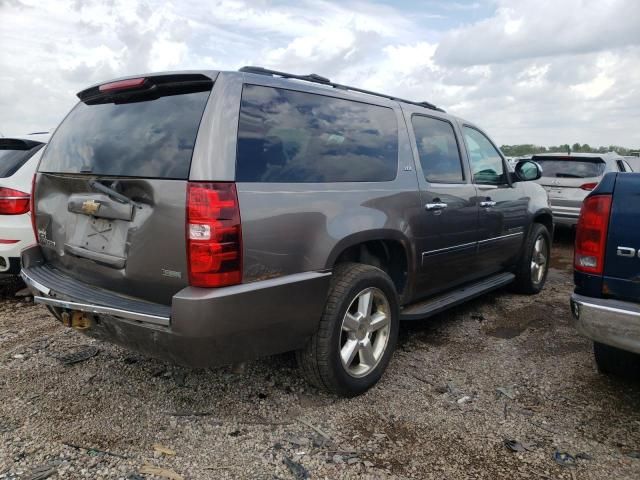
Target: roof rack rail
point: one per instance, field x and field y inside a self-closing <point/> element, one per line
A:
<point x="325" y="81"/>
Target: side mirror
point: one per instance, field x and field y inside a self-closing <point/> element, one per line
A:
<point x="527" y="170"/>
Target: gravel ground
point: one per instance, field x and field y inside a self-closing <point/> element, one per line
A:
<point x="501" y="368"/>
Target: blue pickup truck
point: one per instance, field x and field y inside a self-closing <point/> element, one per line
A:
<point x="606" y="300"/>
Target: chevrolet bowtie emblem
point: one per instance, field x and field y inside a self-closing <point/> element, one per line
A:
<point x="90" y="207"/>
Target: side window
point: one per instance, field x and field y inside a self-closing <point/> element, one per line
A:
<point x="486" y="163"/>
<point x="285" y="136"/>
<point x="627" y="166"/>
<point x="438" y="150"/>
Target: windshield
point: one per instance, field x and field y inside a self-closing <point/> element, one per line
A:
<point x="570" y="168"/>
<point x="152" y="139"/>
<point x="12" y="160"/>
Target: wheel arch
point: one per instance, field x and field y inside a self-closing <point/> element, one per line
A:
<point x="544" y="217"/>
<point x="389" y="250"/>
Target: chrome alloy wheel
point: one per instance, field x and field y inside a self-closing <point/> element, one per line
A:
<point x="365" y="332"/>
<point x="539" y="260"/>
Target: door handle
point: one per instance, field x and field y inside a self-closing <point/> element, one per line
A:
<point x="487" y="203"/>
<point x="435" y="206"/>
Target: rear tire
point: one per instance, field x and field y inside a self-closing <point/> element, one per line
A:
<point x="532" y="269"/>
<point x="352" y="348"/>
<point x="616" y="362"/>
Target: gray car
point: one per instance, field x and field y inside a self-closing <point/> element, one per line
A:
<point x="214" y="217"/>
<point x="568" y="179"/>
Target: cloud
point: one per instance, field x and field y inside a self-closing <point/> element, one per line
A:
<point x="527" y="71"/>
<point x="543" y="28"/>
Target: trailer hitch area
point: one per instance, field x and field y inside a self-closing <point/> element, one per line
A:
<point x="77" y="320"/>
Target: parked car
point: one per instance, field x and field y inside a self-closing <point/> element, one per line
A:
<point x="633" y="161"/>
<point x="568" y="179"/>
<point x="606" y="302"/>
<point x="214" y="217"/>
<point x="18" y="161"/>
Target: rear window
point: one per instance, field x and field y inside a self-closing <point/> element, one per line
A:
<point x="12" y="160"/>
<point x="152" y="138"/>
<point x="286" y="136"/>
<point x="569" y="168"/>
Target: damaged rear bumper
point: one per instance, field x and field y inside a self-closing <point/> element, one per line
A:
<point x="202" y="327"/>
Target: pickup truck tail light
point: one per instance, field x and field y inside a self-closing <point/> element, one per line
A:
<point x="591" y="234"/>
<point x="214" y="234"/>
<point x="13" y="202"/>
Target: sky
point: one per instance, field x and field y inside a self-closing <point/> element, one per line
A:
<point x="546" y="72"/>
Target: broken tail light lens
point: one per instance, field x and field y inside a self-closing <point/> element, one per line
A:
<point x="214" y="235"/>
<point x="14" y="202"/>
<point x="591" y="234"/>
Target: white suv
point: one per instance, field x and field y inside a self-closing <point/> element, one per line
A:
<point x="19" y="159"/>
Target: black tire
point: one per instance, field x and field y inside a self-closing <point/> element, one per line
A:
<point x="525" y="281"/>
<point x="616" y="362"/>
<point x="320" y="361"/>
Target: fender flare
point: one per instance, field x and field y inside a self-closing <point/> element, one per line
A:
<point x="369" y="236"/>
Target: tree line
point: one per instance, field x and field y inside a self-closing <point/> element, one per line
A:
<point x="529" y="149"/>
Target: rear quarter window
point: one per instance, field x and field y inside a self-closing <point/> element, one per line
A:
<point x="152" y="138"/>
<point x="285" y="136"/>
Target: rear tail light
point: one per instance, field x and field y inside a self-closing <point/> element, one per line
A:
<point x="589" y="186"/>
<point x="13" y="202"/>
<point x="214" y="235"/>
<point x="591" y="234"/>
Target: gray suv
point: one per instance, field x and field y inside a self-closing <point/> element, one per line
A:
<point x="214" y="217"/>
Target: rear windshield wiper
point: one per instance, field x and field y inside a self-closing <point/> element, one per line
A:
<point x="568" y="175"/>
<point x="110" y="192"/>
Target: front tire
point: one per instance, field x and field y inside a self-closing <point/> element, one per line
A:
<point x="357" y="333"/>
<point x="616" y="362"/>
<point x="532" y="269"/>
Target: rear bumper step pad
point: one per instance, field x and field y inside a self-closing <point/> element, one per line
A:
<point x="54" y="288"/>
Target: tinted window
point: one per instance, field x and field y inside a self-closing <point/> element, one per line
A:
<point x="438" y="150"/>
<point x="486" y="162"/>
<point x="153" y="138"/>
<point x="288" y="136"/>
<point x="12" y="160"/>
<point x="567" y="168"/>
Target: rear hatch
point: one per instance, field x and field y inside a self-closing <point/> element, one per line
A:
<point x="111" y="187"/>
<point x="622" y="261"/>
<point x="569" y="179"/>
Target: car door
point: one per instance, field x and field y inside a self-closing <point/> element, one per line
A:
<point x="503" y="213"/>
<point x="447" y="231"/>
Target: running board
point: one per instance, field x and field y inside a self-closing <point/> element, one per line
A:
<point x="426" y="308"/>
